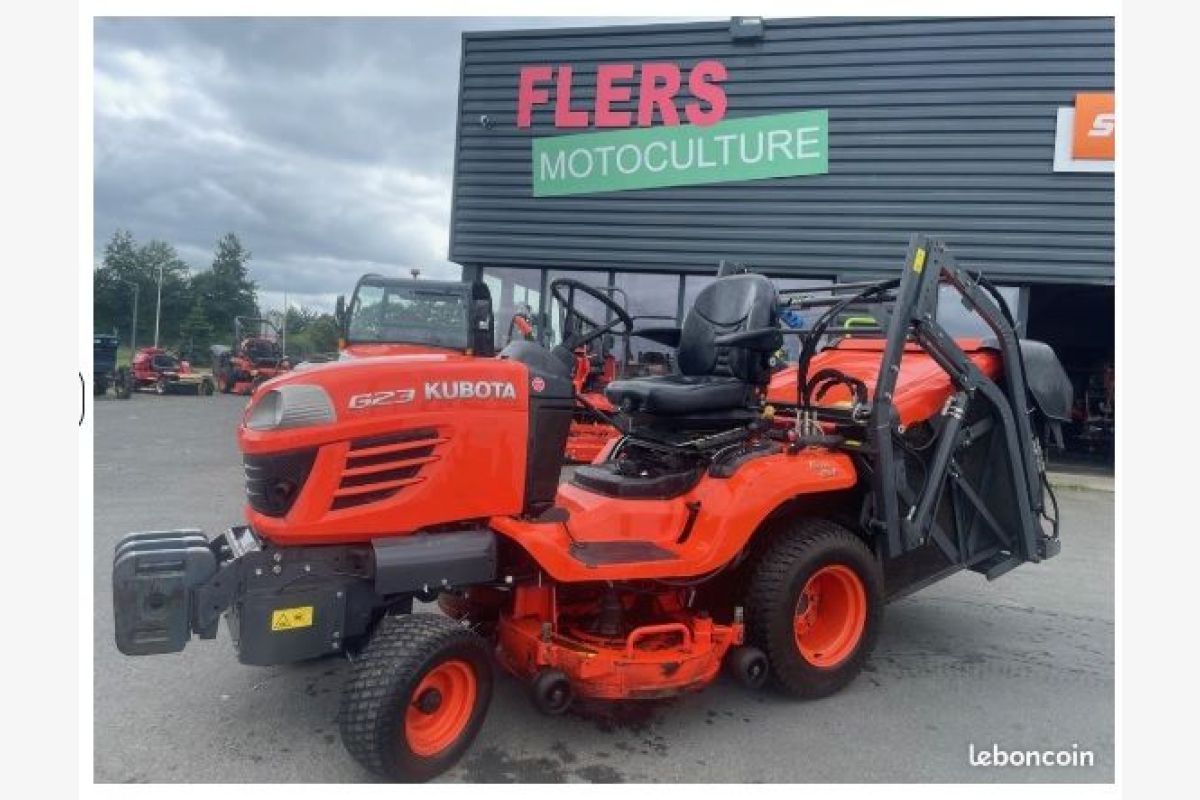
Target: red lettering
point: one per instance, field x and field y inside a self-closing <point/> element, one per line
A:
<point x="703" y="85"/>
<point x="607" y="93"/>
<point x="528" y="95"/>
<point x="658" y="95"/>
<point x="653" y="94"/>
<point x="564" y="117"/>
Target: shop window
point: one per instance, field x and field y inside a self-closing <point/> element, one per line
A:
<point x="587" y="306"/>
<point x="800" y="318"/>
<point x="960" y="321"/>
<point x="652" y="299"/>
<point x="513" y="291"/>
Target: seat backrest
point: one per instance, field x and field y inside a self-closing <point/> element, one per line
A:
<point x="728" y="305"/>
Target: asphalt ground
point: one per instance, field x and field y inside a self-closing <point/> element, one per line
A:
<point x="1023" y="663"/>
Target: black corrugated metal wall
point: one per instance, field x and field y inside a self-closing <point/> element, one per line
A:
<point x="939" y="125"/>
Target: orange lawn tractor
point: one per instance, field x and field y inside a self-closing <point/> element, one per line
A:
<point x="718" y="531"/>
<point x="255" y="357"/>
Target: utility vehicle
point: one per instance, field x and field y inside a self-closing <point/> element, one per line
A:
<point x="717" y="530"/>
<point x="255" y="357"/>
<point x="399" y="316"/>
<point x="105" y="371"/>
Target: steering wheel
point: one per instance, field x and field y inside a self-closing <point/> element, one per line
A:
<point x="567" y="299"/>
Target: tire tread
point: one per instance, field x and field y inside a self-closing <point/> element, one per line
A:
<point x="794" y="542"/>
<point x="400" y="647"/>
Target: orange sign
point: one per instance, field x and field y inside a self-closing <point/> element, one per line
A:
<point x="1095" y="133"/>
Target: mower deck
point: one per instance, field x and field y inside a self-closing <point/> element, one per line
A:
<point x="677" y="653"/>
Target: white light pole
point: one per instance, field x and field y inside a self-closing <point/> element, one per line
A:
<point x="158" y="306"/>
<point x="283" y="345"/>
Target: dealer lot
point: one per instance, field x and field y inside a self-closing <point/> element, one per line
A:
<point x="1025" y="663"/>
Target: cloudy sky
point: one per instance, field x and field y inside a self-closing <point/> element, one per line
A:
<point x="327" y="145"/>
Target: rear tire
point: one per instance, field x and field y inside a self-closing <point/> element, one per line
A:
<point x="814" y="606"/>
<point x="417" y="697"/>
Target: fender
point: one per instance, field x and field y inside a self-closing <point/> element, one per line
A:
<point x="730" y="511"/>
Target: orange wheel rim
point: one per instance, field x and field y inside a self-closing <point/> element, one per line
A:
<point x="831" y="614"/>
<point x="440" y="708"/>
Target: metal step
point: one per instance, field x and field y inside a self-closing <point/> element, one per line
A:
<point x="596" y="554"/>
<point x="997" y="565"/>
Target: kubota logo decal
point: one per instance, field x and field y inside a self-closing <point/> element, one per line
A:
<point x="470" y="390"/>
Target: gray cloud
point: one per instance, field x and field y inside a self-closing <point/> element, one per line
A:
<point x="326" y="144"/>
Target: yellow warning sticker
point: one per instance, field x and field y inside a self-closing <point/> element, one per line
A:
<point x="286" y="619"/>
<point x="919" y="260"/>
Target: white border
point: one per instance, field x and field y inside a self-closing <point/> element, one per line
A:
<point x="52" y="770"/>
<point x="1064" y="161"/>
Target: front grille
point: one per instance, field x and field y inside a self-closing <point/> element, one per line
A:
<point x="273" y="482"/>
<point x="378" y="467"/>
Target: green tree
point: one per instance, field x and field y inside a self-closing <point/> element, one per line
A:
<point x="226" y="289"/>
<point x="311" y="332"/>
<point x="299" y="319"/>
<point x="196" y="334"/>
<point x="152" y="257"/>
<point x="127" y="264"/>
<point x="112" y="300"/>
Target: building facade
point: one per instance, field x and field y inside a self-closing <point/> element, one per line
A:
<point x="639" y="157"/>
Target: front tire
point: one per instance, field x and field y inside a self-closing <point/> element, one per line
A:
<point x="814" y="606"/>
<point x="417" y="697"/>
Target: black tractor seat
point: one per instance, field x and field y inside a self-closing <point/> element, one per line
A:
<point x="712" y="376"/>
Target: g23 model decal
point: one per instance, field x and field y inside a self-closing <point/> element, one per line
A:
<point x="391" y="397"/>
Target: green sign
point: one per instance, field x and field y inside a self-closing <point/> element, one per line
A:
<point x="745" y="149"/>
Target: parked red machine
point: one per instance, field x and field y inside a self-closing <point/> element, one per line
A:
<point x="154" y="369"/>
<point x="255" y="357"/>
<point x="719" y="529"/>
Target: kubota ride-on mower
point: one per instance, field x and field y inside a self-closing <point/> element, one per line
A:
<point x="716" y="531"/>
<point x="255" y="357"/>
